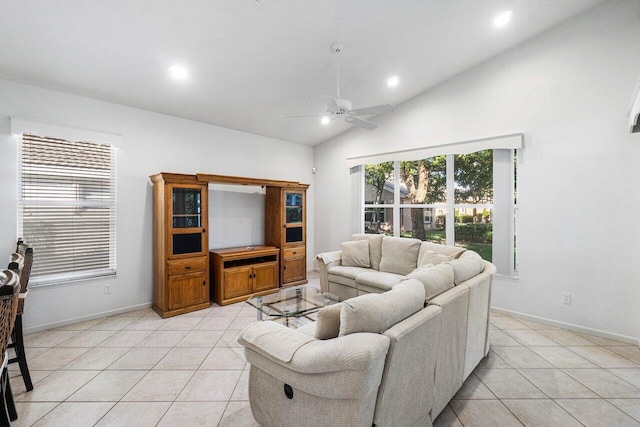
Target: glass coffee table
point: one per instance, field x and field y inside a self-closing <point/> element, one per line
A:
<point x="294" y="306"/>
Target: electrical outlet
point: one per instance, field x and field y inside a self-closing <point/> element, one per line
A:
<point x="566" y="298"/>
<point x="107" y="289"/>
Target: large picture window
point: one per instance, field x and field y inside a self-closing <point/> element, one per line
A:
<point x="67" y="208"/>
<point x="447" y="199"/>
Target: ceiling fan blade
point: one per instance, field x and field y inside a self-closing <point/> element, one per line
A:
<point x="367" y="111"/>
<point x="359" y="122"/>
<point x="297" y="117"/>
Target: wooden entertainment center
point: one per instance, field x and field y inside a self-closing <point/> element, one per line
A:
<point x="187" y="275"/>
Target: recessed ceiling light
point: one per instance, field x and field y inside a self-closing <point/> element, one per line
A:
<point x="325" y="120"/>
<point x="178" y="72"/>
<point x="502" y="19"/>
<point x="393" y="81"/>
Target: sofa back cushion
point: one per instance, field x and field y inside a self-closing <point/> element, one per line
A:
<point x="356" y="254"/>
<point x="430" y="257"/>
<point x="375" y="247"/>
<point x="436" y="279"/>
<point x="468" y="265"/>
<point x="328" y="322"/>
<point x="399" y="255"/>
<point x="378" y="312"/>
<point x="451" y="251"/>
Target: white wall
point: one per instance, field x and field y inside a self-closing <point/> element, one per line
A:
<point x="236" y="215"/>
<point x="151" y="143"/>
<point x="568" y="91"/>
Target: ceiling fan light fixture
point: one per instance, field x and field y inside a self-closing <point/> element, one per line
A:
<point x="325" y="120"/>
<point x="502" y="19"/>
<point x="393" y="81"/>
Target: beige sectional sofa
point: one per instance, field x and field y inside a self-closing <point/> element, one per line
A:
<point x="391" y="354"/>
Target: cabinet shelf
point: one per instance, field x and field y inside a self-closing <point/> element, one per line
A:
<point x="249" y="261"/>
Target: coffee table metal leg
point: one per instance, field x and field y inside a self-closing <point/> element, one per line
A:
<point x="286" y="318"/>
<point x="259" y="308"/>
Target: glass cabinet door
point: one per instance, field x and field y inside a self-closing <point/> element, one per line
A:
<point x="293" y="206"/>
<point x="187" y="209"/>
<point x="294" y="217"/>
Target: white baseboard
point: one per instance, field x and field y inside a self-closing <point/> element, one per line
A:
<point x="71" y="321"/>
<point x="569" y="326"/>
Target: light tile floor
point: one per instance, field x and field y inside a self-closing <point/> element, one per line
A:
<point x="538" y="375"/>
<point x="138" y="369"/>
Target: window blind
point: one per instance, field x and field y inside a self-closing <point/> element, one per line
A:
<point x="357" y="199"/>
<point x="67" y="208"/>
<point x="504" y="211"/>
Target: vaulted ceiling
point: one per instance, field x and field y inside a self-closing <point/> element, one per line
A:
<point x="251" y="61"/>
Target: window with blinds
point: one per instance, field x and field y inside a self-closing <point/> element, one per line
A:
<point x="68" y="208"/>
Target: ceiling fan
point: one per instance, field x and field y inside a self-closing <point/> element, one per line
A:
<point x="341" y="108"/>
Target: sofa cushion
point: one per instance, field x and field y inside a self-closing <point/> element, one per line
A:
<point x="399" y="255"/>
<point x="342" y="281"/>
<point x="467" y="266"/>
<point x="451" y="251"/>
<point x="328" y="322"/>
<point x="356" y="254"/>
<point x="430" y="257"/>
<point x="436" y="279"/>
<point x="345" y="275"/>
<point x="378" y="312"/>
<point x="349" y="272"/>
<point x="375" y="247"/>
<point x="378" y="280"/>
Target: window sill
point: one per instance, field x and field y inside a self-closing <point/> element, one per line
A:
<point x="63" y="280"/>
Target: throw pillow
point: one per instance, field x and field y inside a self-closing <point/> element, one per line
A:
<point x="356" y="254"/>
<point x="467" y="266"/>
<point x="399" y="255"/>
<point x="431" y="257"/>
<point x="436" y="279"/>
<point x="375" y="247"/>
<point x="328" y="322"/>
<point x="378" y="312"/>
<point x="451" y="251"/>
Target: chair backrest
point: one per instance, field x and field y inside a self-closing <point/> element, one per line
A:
<point x="21" y="262"/>
<point x="9" y="290"/>
<point x="26" y="251"/>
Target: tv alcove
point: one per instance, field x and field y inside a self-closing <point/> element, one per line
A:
<point x="184" y="276"/>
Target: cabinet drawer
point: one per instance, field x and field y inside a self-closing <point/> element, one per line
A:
<point x="293" y="252"/>
<point x="189" y="265"/>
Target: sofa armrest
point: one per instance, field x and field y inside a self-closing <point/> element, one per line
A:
<point x="340" y="368"/>
<point x="326" y="260"/>
<point x="311" y="356"/>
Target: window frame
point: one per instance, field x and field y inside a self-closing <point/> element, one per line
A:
<point x="450" y="206"/>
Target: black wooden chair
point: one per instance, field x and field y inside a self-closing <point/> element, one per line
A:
<point x="22" y="261"/>
<point x="9" y="291"/>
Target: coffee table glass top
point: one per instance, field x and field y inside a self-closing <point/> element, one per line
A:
<point x="294" y="302"/>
